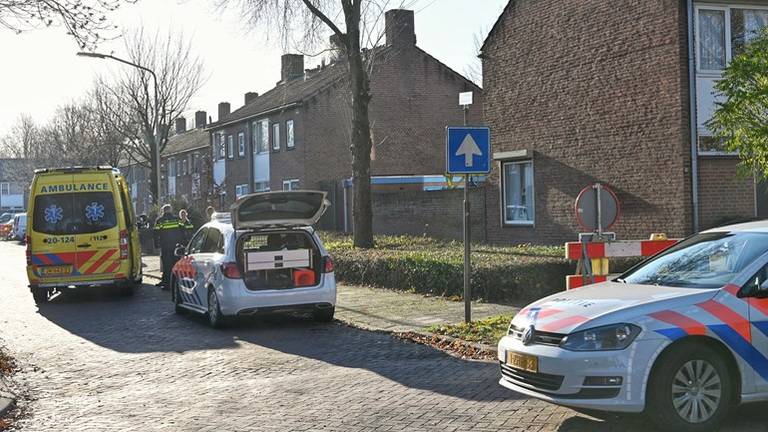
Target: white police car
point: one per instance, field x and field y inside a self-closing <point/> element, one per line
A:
<point x="682" y="337"/>
<point x="264" y="257"/>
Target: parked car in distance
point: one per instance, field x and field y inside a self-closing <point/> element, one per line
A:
<point x="264" y="257"/>
<point x="19" y="230"/>
<point x="682" y="336"/>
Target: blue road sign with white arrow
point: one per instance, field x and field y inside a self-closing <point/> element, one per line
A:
<point x="468" y="150"/>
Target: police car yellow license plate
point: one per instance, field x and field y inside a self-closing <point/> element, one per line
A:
<point x="522" y="361"/>
<point x="60" y="270"/>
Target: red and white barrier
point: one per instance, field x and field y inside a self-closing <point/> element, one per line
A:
<point x="617" y="249"/>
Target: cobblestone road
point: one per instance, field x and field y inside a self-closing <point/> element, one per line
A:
<point x="103" y="363"/>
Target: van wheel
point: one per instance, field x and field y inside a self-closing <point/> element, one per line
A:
<point x="215" y="318"/>
<point x="692" y="392"/>
<point x="40" y="295"/>
<point x="324" y="314"/>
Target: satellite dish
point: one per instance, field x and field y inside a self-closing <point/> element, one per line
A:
<point x="597" y="208"/>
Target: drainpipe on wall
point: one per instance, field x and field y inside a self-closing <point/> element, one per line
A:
<point x="692" y="110"/>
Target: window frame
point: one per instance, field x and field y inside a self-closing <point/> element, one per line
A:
<point x="275" y="136"/>
<point x="503" y="194"/>
<point x="727" y="25"/>
<point x="290" y="183"/>
<point x="241" y="144"/>
<point x="230" y="147"/>
<point x="5" y="188"/>
<point x="171" y="162"/>
<point x="290" y="135"/>
<point x="222" y="146"/>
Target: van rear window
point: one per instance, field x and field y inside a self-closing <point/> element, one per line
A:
<point x="74" y="213"/>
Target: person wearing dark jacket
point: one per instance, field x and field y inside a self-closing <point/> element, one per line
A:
<point x="189" y="229"/>
<point x="169" y="232"/>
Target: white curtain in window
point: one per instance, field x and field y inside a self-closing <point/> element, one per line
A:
<point x="518" y="191"/>
<point x="754" y="21"/>
<point x="711" y="39"/>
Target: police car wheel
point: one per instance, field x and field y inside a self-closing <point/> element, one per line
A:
<point x="323" y="315"/>
<point x="692" y="390"/>
<point x="177" y="307"/>
<point x="215" y="318"/>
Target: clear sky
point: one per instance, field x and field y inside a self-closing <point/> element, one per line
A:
<point x="40" y="71"/>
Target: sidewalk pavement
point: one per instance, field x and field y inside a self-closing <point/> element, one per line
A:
<point x="388" y="310"/>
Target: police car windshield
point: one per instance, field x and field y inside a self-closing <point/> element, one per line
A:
<point x="74" y="213"/>
<point x="708" y="260"/>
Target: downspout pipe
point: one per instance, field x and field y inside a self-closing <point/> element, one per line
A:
<point x="693" y="120"/>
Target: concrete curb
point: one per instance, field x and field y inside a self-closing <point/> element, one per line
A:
<point x="7" y="399"/>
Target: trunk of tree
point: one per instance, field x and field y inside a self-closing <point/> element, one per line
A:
<point x="154" y="165"/>
<point x="362" y="215"/>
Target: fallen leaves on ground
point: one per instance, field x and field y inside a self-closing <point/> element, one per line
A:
<point x="465" y="350"/>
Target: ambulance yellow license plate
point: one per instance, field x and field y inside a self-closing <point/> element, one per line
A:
<point x="522" y="361"/>
<point x="62" y="270"/>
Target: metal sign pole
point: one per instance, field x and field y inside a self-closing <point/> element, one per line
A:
<point x="467" y="264"/>
<point x="467" y="241"/>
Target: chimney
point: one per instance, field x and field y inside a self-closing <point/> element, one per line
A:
<point x="200" y="117"/>
<point x="399" y="27"/>
<point x="181" y="125"/>
<point x="223" y="110"/>
<point x="291" y="67"/>
<point x="250" y="96"/>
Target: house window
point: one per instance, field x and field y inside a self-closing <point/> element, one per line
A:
<point x="712" y="48"/>
<point x="222" y="148"/>
<point x="289" y="140"/>
<point x="5" y="188"/>
<point x="230" y="147"/>
<point x="195" y="162"/>
<point x="276" y="136"/>
<point x="241" y="144"/>
<point x="241" y="190"/>
<point x="261" y="187"/>
<point x="290" y="185"/>
<point x="171" y="167"/>
<point x="722" y="32"/>
<point x="260" y="136"/>
<point x="517" y="193"/>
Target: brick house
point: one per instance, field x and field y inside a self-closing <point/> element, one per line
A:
<point x="296" y="135"/>
<point x="184" y="167"/>
<point x="579" y="92"/>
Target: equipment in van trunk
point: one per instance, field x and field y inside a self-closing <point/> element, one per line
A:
<point x="278" y="260"/>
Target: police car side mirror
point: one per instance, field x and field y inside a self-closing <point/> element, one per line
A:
<point x="180" y="251"/>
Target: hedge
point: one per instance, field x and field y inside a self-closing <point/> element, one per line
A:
<point x="429" y="266"/>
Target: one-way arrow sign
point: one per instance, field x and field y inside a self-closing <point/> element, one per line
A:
<point x="468" y="150"/>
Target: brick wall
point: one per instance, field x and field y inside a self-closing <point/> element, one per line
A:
<point x="431" y="213"/>
<point x="598" y="92"/>
<point x="723" y="196"/>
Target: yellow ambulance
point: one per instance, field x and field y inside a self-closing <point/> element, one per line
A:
<point x="81" y="231"/>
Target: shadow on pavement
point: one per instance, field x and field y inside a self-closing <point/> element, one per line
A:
<point x="146" y="323"/>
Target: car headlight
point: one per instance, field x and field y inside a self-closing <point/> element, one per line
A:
<point x="607" y="338"/>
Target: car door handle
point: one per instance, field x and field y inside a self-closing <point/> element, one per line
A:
<point x="84" y="245"/>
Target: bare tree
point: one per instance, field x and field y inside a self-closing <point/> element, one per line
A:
<point x="129" y="99"/>
<point x="21" y="139"/>
<point x="354" y="24"/>
<point x="474" y="69"/>
<point x="84" y="20"/>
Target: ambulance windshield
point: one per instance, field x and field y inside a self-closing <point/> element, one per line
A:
<point x="74" y="213"/>
<point x="707" y="260"/>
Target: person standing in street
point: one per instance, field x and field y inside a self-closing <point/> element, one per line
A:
<point x="169" y="231"/>
<point x="189" y="229"/>
<point x="209" y="212"/>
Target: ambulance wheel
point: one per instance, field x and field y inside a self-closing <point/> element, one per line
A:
<point x="177" y="307"/>
<point x="692" y="390"/>
<point x="40" y="295"/>
<point x="215" y="317"/>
